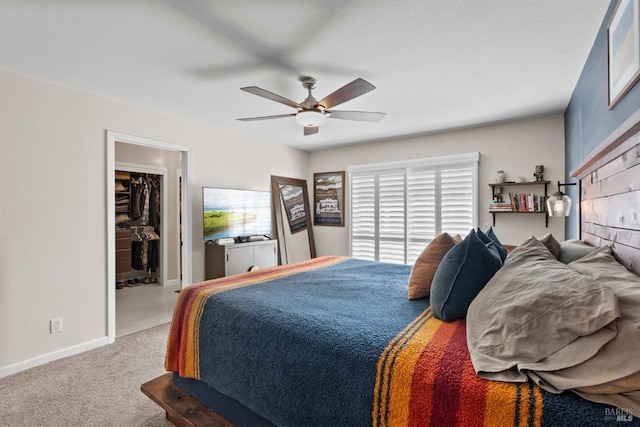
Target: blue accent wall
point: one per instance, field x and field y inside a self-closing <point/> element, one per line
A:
<point x="587" y="120"/>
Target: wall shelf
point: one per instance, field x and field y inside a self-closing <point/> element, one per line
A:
<point x="520" y="184"/>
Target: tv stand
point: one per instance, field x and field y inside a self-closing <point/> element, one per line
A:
<point x="226" y="260"/>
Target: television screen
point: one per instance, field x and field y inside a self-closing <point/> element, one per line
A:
<point x="235" y="213"/>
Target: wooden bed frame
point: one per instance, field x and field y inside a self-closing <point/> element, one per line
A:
<point x="609" y="186"/>
<point x="182" y="409"/>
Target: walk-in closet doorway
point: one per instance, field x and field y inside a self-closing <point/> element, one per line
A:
<point x="147" y="242"/>
<point x="133" y="162"/>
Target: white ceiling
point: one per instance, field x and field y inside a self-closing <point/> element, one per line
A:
<point x="437" y="64"/>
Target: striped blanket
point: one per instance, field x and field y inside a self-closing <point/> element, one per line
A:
<point x="334" y="341"/>
<point x="425" y="377"/>
<point x="183" y="349"/>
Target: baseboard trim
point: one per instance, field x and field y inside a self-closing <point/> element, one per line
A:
<point x="5" y="371"/>
<point x="171" y="282"/>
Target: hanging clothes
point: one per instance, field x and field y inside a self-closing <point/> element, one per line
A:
<point x="144" y="248"/>
<point x="136" y="195"/>
<point x="153" y="182"/>
<point x="153" y="255"/>
<point x="145" y="199"/>
<point x="145" y="214"/>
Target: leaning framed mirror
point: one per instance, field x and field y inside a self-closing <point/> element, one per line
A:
<point x="290" y="200"/>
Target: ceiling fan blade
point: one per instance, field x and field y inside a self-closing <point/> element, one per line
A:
<point x="272" y="96"/>
<point x="361" y="116"/>
<point x="346" y="93"/>
<point x="310" y="130"/>
<point x="279" y="116"/>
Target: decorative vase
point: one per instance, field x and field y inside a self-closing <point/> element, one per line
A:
<point x="499" y="177"/>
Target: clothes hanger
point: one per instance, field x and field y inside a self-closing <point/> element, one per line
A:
<point x="138" y="238"/>
<point x="154" y="235"/>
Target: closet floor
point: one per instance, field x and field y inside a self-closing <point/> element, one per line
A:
<point x="143" y="307"/>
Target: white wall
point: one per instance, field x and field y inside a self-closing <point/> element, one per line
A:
<point x="515" y="147"/>
<point x="53" y="260"/>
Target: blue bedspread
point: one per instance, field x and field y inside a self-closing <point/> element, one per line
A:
<point x="276" y="365"/>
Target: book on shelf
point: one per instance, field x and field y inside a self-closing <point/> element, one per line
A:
<point x="527" y="202"/>
<point x="500" y="207"/>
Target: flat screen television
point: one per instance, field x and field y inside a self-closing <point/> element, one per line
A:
<point x="235" y="213"/>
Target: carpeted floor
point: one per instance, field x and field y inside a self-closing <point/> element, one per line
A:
<point x="100" y="387"/>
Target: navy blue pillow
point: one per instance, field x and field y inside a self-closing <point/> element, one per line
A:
<point x="497" y="248"/>
<point x="490" y="234"/>
<point x="461" y="275"/>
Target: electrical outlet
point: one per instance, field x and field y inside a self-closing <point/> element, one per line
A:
<point x="55" y="325"/>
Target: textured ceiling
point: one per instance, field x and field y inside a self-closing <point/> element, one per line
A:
<point x="437" y="64"/>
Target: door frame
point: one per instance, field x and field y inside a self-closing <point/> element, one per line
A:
<point x="180" y="216"/>
<point x="187" y="247"/>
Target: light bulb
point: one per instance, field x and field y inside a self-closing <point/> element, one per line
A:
<point x="558" y="207"/>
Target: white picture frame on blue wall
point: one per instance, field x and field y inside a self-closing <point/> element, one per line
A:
<point x="623" y="42"/>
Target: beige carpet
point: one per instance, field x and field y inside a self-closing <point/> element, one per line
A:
<point x="100" y="387"/>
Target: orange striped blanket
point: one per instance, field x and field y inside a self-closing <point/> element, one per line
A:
<point x="425" y="378"/>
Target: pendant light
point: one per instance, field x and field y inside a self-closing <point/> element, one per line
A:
<point x="559" y="204"/>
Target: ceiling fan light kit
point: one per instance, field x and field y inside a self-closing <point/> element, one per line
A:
<point x="310" y="118"/>
<point x="311" y="113"/>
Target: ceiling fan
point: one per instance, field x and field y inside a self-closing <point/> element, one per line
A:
<point x="311" y="113"/>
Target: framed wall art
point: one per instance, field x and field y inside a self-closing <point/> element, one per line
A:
<point x="328" y="198"/>
<point x="623" y="43"/>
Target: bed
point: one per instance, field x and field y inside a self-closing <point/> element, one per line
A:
<point x="335" y="341"/>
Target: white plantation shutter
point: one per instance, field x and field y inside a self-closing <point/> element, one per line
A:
<point x="397" y="209"/>
<point x="457" y="195"/>
<point x="363" y="216"/>
<point x="391" y="217"/>
<point x="421" y="211"/>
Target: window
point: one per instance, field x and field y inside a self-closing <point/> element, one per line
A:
<point x="397" y="208"/>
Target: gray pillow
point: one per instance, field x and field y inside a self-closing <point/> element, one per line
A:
<point x="571" y="250"/>
<point x="534" y="310"/>
<point x="551" y="243"/>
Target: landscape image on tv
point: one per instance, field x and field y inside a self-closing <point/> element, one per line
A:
<point x="235" y="213"/>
